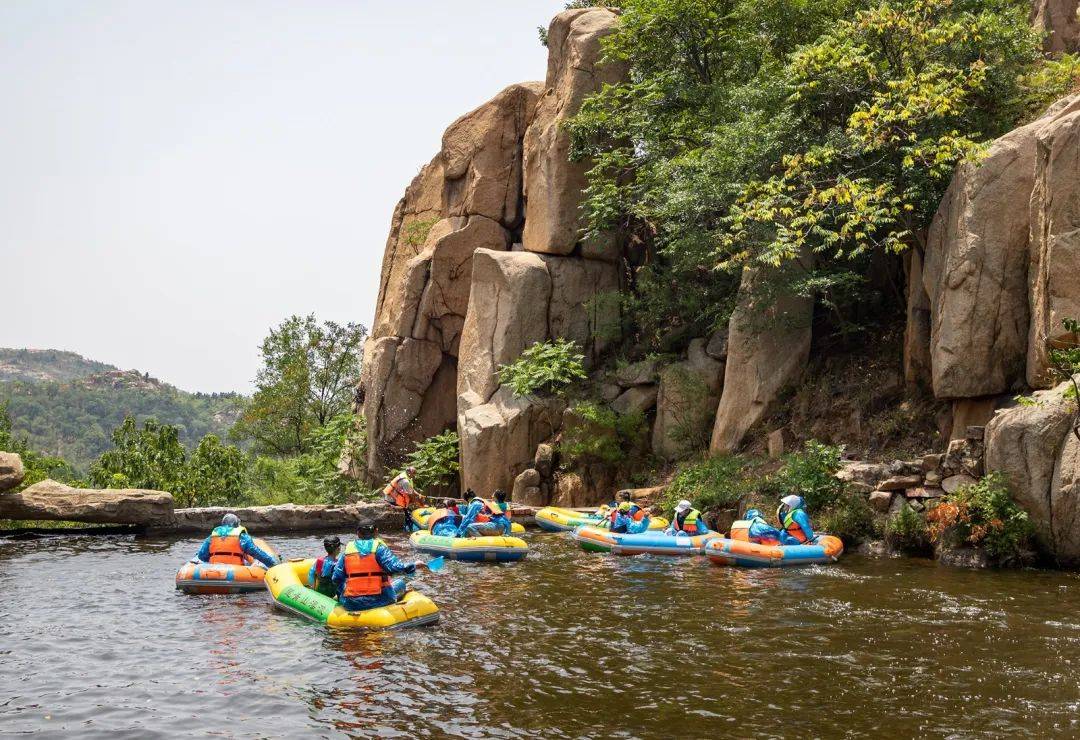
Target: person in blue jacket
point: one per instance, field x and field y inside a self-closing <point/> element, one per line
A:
<point x="362" y="573"/>
<point x="623" y="521"/>
<point x="231" y="544"/>
<point x="760" y="531"/>
<point x="485" y="517"/>
<point x="444" y="522"/>
<point x="320" y="576"/>
<point x="795" y="526"/>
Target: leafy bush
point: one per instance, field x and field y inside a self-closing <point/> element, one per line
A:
<point x="848" y="517"/>
<point x="436" y="460"/>
<point x="597" y="432"/>
<point x="809" y="473"/>
<point x="544" y="367"/>
<point x="907" y="530"/>
<point x="712" y="483"/>
<point x="984" y="515"/>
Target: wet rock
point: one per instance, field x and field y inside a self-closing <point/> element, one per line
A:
<point x="963" y="557"/>
<point x="11" y="471"/>
<point x="875" y="549"/>
<point x="52" y="501"/>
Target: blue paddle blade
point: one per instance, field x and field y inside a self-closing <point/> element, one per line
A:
<point x="436" y="564"/>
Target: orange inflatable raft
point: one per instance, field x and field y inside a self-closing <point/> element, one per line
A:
<point x="197" y="577"/>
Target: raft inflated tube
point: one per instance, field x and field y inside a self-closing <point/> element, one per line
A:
<point x="285" y="582"/>
<point x="197" y="577"/>
<point x="824" y="549"/>
<point x="556" y="519"/>
<point x="471" y="549"/>
<point x="420" y="517"/>
<point x="595" y="539"/>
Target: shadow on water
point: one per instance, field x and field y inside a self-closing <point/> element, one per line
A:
<point x="566" y="644"/>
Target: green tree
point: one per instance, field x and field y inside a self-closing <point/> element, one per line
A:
<point x="148" y="457"/>
<point x="214" y="475"/>
<point x="309" y="375"/>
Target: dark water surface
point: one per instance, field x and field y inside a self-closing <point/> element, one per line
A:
<point x="95" y="641"/>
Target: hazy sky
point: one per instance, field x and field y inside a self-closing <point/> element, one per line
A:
<point x="178" y="176"/>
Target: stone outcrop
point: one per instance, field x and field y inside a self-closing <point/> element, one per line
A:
<point x="1058" y="20"/>
<point x="467" y="198"/>
<point x="768" y="346"/>
<point x="918" y="371"/>
<point x="1036" y="451"/>
<point x="554" y="184"/>
<point x="688" y="393"/>
<point x="11" y="470"/>
<point x="49" y="500"/>
<point x="261" y="520"/>
<point x="1055" y="236"/>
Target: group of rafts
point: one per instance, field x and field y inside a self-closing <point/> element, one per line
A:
<point x="288" y="587"/>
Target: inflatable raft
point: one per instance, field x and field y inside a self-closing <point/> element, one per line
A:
<point x="420" y="517"/>
<point x="555" y="519"/>
<point x="595" y="539"/>
<point x="723" y="551"/>
<point x="286" y="585"/>
<point x="471" y="549"/>
<point x="197" y="577"/>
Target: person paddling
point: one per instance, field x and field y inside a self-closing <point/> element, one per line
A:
<point x="795" y="526"/>
<point x="362" y="573"/>
<point x="230" y="544"/>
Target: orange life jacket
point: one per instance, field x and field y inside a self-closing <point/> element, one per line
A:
<point x="363" y="574"/>
<point x="225" y="546"/>
<point x="637" y="515"/>
<point x="794" y="528"/>
<point x="435" y="517"/>
<point x="397" y="494"/>
<point x="494" y="508"/>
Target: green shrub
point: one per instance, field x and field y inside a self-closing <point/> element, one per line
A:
<point x="416" y="233"/>
<point x="436" y="460"/>
<point x="984" y="515"/>
<point x="809" y="473"/>
<point x="545" y="367"/>
<point x="848" y="517"/>
<point x="712" y="483"/>
<point x="596" y="432"/>
<point x="907" y="530"/>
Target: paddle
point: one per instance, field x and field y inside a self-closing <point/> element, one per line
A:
<point x="436" y="564"/>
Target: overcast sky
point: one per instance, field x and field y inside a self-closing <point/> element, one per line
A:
<point x="177" y="176"/>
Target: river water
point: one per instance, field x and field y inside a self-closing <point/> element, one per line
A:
<point x="94" y="641"/>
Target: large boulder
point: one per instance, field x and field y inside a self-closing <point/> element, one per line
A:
<point x="917" y="363"/>
<point x="1055" y="236"/>
<point x="11" y="470"/>
<point x="499" y="437"/>
<point x="688" y="393"/>
<point x="1034" y="448"/>
<point x="768" y="345"/>
<point x="1058" y="20"/>
<point x="467" y="198"/>
<point x="554" y="184"/>
<point x="53" y="501"/>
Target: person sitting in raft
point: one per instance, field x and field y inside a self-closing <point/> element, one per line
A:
<point x="320" y="577"/>
<point x="636" y="512"/>
<point x="795" y="526"/>
<point x="622" y="520"/>
<point x="760" y="531"/>
<point x="486" y="518"/>
<point x="230" y="544"/>
<point x="362" y="573"/>
<point x="687" y="520"/>
<point x="444" y="522"/>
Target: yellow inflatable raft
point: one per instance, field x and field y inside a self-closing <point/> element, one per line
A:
<point x="420" y="518"/>
<point x="286" y="583"/>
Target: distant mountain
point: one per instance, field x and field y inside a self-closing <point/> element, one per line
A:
<point x="42" y="365"/>
<point x="67" y="405"/>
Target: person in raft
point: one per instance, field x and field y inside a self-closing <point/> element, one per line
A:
<point x="444" y="522"/>
<point x="362" y="573"/>
<point x="637" y="512"/>
<point x="400" y="491"/>
<point x="760" y="531"/>
<point x="486" y="517"/>
<point x="687" y="520"/>
<point x="230" y="544"/>
<point x="795" y="526"/>
<point x="320" y="577"/>
<point x="623" y="522"/>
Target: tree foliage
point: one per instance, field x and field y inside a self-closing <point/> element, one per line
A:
<point x="545" y="367"/>
<point x="309" y="376"/>
<point x="435" y="460"/>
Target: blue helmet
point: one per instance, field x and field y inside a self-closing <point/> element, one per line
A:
<point x="752" y="514"/>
